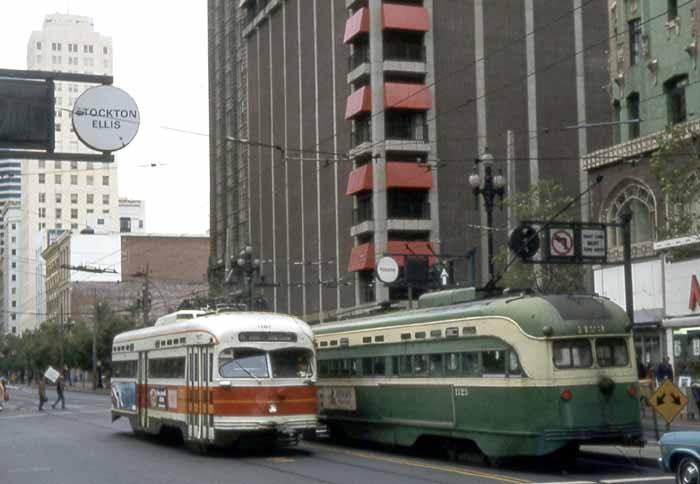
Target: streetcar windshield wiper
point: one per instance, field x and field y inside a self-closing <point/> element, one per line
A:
<point x="246" y="370"/>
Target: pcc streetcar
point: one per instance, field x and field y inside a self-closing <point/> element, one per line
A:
<point x="516" y="376"/>
<point x="217" y="377"/>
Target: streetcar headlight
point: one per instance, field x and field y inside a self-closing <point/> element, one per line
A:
<point x="632" y="391"/>
<point x="566" y="395"/>
<point x="272" y="408"/>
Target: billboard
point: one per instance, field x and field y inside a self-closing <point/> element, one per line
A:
<point x="26" y="114"/>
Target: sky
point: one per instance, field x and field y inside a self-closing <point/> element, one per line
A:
<point x="160" y="59"/>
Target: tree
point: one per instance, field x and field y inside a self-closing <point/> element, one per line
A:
<point x="540" y="202"/>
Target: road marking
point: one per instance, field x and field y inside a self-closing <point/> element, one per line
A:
<point x="29" y="469"/>
<point x="568" y="482"/>
<point x="412" y="463"/>
<point x="638" y="479"/>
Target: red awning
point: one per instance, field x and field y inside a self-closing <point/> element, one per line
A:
<point x="359" y="101"/>
<point x="360" y="179"/>
<point x="357" y="24"/>
<point x="407" y="96"/>
<point x="399" y="248"/>
<point x="405" y="17"/>
<point x="362" y="258"/>
<point x="401" y="174"/>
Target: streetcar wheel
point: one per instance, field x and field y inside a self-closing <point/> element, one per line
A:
<point x="688" y="471"/>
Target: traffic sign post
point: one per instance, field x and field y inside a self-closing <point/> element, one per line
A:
<point x="668" y="401"/>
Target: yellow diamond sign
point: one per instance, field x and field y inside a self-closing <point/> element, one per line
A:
<point x="668" y="400"/>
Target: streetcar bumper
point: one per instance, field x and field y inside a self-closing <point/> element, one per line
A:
<point x="283" y="424"/>
<point x="629" y="435"/>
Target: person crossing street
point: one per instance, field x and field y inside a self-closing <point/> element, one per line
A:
<point x="59" y="393"/>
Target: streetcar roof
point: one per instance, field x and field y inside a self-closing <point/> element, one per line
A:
<point x="567" y="315"/>
<point x="221" y="325"/>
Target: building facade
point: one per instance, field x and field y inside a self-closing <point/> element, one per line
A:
<point x="63" y="195"/>
<point x="345" y="130"/>
<point x="652" y="88"/>
<point x="132" y="216"/>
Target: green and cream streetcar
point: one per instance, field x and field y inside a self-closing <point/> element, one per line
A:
<point x="521" y="375"/>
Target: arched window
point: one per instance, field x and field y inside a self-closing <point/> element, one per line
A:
<point x="641" y="202"/>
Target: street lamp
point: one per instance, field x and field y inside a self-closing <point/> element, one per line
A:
<point x="493" y="186"/>
<point x="248" y="264"/>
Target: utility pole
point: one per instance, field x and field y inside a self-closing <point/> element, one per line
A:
<point x="94" y="342"/>
<point x="146" y="298"/>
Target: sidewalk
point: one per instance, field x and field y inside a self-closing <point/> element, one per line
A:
<point x="646" y="456"/>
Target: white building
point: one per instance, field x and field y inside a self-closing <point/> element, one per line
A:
<point x="63" y="195"/>
<point x="132" y="216"/>
<point x="12" y="268"/>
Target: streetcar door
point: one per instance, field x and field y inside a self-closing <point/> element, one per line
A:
<point x="197" y="393"/>
<point x="142" y="384"/>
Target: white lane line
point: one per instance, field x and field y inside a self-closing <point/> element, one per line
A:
<point x="567" y="482"/>
<point x="638" y="479"/>
<point x="59" y="413"/>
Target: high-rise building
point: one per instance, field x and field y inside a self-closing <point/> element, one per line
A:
<point x="62" y="195"/>
<point x="345" y="130"/>
<point x="11" y="241"/>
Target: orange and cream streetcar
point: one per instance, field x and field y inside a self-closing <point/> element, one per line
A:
<point x="217" y="378"/>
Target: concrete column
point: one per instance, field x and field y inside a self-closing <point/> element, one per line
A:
<point x="482" y="144"/>
<point x="433" y="196"/>
<point x="376" y="40"/>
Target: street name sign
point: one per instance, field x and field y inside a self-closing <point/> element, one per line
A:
<point x="105" y="118"/>
<point x="668" y="400"/>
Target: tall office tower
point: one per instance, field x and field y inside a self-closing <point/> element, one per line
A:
<point x="346" y="130"/>
<point x="62" y="195"/>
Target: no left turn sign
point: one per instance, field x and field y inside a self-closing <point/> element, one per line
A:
<point x="561" y="242"/>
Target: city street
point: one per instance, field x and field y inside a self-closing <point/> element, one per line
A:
<point x="80" y="445"/>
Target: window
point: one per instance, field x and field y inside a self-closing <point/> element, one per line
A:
<point x="243" y="363"/>
<point x="105" y="199"/>
<point x="42" y="212"/>
<point x="89" y="62"/>
<point x="672" y="9"/>
<point x="72" y="47"/>
<point x="74" y="179"/>
<point x="56" y="46"/>
<point x="73" y="164"/>
<point x="58" y="127"/>
<point x="105" y="180"/>
<point x="572" y="353"/>
<point x="73" y="198"/>
<point x="611" y="352"/>
<point x="617" y="112"/>
<point x="124" y="369"/>
<point x="90" y="210"/>
<point x="88" y="49"/>
<point x="494" y="362"/>
<point x="100" y="221"/>
<point x="635" y="32"/>
<point x="632" y="114"/>
<point x="57" y="179"/>
<point x="42" y="197"/>
<point x="58" y="225"/>
<point x="291" y="363"/>
<point x="74" y="226"/>
<point x="59" y="197"/>
<point x="640" y="200"/>
<point x="38" y="46"/>
<point x="676" y="102"/>
<point x="42" y="164"/>
<point x="74" y="213"/>
<point x="166" y="368"/>
<point x="58" y="213"/>
<point x="90" y="180"/>
<point x="42" y="178"/>
<point x="57" y="165"/>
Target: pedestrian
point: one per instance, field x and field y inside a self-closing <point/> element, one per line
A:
<point x="42" y="393"/>
<point x="664" y="370"/>
<point x="59" y="393"/>
<point x="2" y="393"/>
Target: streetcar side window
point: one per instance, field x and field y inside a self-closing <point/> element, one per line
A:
<point x="124" y="369"/>
<point x="572" y="353"/>
<point x="514" y="367"/>
<point x="379" y="366"/>
<point x="367" y="367"/>
<point x="452" y="363"/>
<point x="611" y="352"/>
<point x="291" y="363"/>
<point x="470" y="364"/>
<point x="420" y="365"/>
<point x="323" y="368"/>
<point x="167" y="368"/>
<point x="494" y="362"/>
<point x="243" y="363"/>
<point x="436" y="365"/>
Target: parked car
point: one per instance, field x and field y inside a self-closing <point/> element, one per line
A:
<point x="680" y="454"/>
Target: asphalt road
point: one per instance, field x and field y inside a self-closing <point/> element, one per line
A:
<point x="79" y="445"/>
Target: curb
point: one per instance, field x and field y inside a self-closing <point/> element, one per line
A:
<point x="621" y="457"/>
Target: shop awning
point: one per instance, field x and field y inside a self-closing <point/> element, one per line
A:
<point x="405" y="17"/>
<point x="401" y="174"/>
<point x="407" y="96"/>
<point x="400" y="248"/>
<point x="360" y="179"/>
<point x="356" y="25"/>
<point x="361" y="258"/>
<point x="359" y="101"/>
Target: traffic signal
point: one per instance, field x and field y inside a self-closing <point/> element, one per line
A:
<point x="524" y="242"/>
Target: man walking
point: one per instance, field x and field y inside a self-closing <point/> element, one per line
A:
<point x="59" y="393"/>
<point x="664" y="370"/>
<point x="42" y="393"/>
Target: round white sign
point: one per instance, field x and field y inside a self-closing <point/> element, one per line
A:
<point x="105" y="118"/>
<point x="387" y="270"/>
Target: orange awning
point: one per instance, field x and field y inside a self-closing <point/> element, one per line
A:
<point x="400" y="248"/>
<point x="401" y="174"/>
<point x="359" y="101"/>
<point x="361" y="258"/>
<point x="405" y="17"/>
<point x="360" y="179"/>
<point x="357" y="24"/>
<point x="407" y="96"/>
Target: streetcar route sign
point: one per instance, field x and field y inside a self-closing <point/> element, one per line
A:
<point x="593" y="243"/>
<point x="105" y="118"/>
<point x="561" y="242"/>
<point x="387" y="270"/>
<point x="668" y="400"/>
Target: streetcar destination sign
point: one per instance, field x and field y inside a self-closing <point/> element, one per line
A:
<point x="105" y="118"/>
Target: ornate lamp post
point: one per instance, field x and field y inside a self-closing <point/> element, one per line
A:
<point x="493" y="185"/>
<point x="249" y="265"/>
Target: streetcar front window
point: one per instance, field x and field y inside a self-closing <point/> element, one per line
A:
<point x="611" y="352"/>
<point x="573" y="353"/>
<point x="243" y="363"/>
<point x="291" y="363"/>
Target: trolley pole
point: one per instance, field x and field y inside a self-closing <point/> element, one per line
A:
<point x="626" y="217"/>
